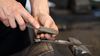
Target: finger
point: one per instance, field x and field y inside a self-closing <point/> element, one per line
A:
<point x="6" y="22"/>
<point x="28" y="17"/>
<point x="53" y="36"/>
<point x="54" y="26"/>
<point x="42" y="36"/>
<point x="12" y="22"/>
<point x="49" y="22"/>
<point x="45" y="20"/>
<point x="3" y="18"/>
<point x="48" y="36"/>
<point x="38" y="36"/>
<point x="20" y="22"/>
<point x="31" y="20"/>
<point x="10" y="18"/>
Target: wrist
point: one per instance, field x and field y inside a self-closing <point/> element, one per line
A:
<point x="38" y="13"/>
<point x="39" y="7"/>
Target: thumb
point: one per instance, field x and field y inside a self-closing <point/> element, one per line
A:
<point x="46" y="21"/>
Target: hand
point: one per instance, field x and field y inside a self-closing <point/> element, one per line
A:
<point x="46" y="21"/>
<point x="12" y="11"/>
<point x="40" y="11"/>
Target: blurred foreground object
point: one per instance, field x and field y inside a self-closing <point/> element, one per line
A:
<point x="76" y="47"/>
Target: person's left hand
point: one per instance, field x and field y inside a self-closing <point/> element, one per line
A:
<point x="46" y="21"/>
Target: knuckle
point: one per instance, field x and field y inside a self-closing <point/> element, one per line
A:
<point x="19" y="3"/>
<point x="8" y="14"/>
<point x="4" y="19"/>
<point x="28" y="17"/>
<point x="15" y="11"/>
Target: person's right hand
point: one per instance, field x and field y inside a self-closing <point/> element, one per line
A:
<point x="12" y="11"/>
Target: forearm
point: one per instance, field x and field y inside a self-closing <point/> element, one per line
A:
<point x="39" y="7"/>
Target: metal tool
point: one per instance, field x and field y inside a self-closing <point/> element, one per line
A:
<point x="44" y="30"/>
<point x="77" y="48"/>
<point x="64" y="42"/>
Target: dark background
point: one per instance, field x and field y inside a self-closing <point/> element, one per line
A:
<point x="84" y="26"/>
